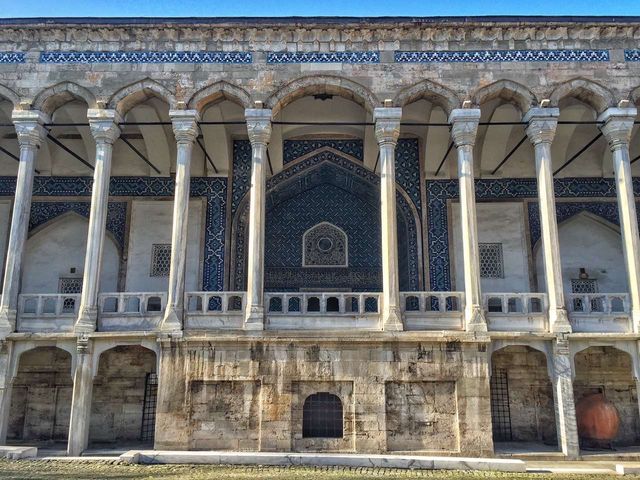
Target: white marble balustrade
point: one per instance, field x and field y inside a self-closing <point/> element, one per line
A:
<point x="522" y="312"/>
<point x="40" y="312"/>
<point x="433" y="310"/>
<point x="600" y="312"/>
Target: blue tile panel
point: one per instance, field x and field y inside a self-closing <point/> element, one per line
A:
<point x="12" y="57"/>
<point x="241" y="174"/>
<point x="408" y="169"/>
<point x="324" y="186"/>
<point x="294" y="149"/>
<point x="440" y="191"/>
<point x="484" y="56"/>
<point x="214" y="190"/>
<point x="146" y="57"/>
<point x="323" y="57"/>
<point x="632" y="55"/>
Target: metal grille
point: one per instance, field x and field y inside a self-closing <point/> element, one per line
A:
<point x="491" y="263"/>
<point x="160" y="259"/>
<point x="147" y="431"/>
<point x="322" y="416"/>
<point x="500" y="410"/>
<point x="70" y="285"/>
<point x="584" y="285"/>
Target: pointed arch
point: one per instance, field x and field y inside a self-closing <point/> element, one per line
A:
<point x="311" y="85"/>
<point x="431" y="91"/>
<point x="128" y="97"/>
<point x="218" y="91"/>
<point x="509" y="91"/>
<point x="52" y="98"/>
<point x="591" y="93"/>
<point x="10" y="95"/>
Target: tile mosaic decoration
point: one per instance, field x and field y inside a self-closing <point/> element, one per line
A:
<point x="310" y="190"/>
<point x="213" y="189"/>
<point x="12" y="57"/>
<point x="241" y="174"/>
<point x="43" y="212"/>
<point x="484" y="56"/>
<point x="146" y="57"/>
<point x="440" y="191"/>
<point x="294" y="149"/>
<point x="632" y="55"/>
<point x="323" y="57"/>
<point x="408" y="169"/>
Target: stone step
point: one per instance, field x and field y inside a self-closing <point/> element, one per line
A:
<point x="322" y="459"/>
<point x="17" y="453"/>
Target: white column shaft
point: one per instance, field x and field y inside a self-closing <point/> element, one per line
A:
<point x="259" y="129"/>
<point x="565" y="411"/>
<point x="81" y="401"/>
<point x="6" y="350"/>
<point x="387" y="131"/>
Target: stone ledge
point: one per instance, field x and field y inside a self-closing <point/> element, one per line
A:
<point x="17" y="453"/>
<point x="322" y="459"/>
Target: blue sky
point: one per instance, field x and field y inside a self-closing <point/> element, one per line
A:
<point x="213" y="8"/>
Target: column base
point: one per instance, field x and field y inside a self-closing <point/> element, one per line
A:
<point x="7" y="321"/>
<point x="254" y="318"/>
<point x="171" y="322"/>
<point x="87" y="320"/>
<point x="475" y="320"/>
<point x="392" y="320"/>
<point x="559" y="321"/>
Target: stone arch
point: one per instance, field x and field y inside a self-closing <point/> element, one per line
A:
<point x="509" y="91"/>
<point x="128" y="97"/>
<point x="218" y="91"/>
<point x="431" y="91"/>
<point x="10" y="95"/>
<point x="587" y="91"/>
<point x="330" y="84"/>
<point x="52" y="98"/>
<point x="101" y="347"/>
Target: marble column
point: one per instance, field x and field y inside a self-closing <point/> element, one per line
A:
<point x="259" y="129"/>
<point x="6" y="372"/>
<point x="28" y="124"/>
<point x="105" y="131"/>
<point x="185" y="129"/>
<point x="564" y="404"/>
<point x="387" y="130"/>
<point x="81" y="399"/>
<point x="618" y="123"/>
<point x="464" y="127"/>
<point x="541" y="130"/>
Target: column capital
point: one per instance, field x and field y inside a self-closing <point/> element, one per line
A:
<point x="464" y="125"/>
<point x="104" y="124"/>
<point x="185" y="125"/>
<point x="29" y="126"/>
<point x="387" y="124"/>
<point x="542" y="123"/>
<point x="618" y="123"/>
<point x="258" y="125"/>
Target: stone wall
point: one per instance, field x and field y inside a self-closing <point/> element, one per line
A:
<point x="118" y="394"/>
<point x="41" y="397"/>
<point x="530" y="393"/>
<point x="222" y="383"/>
<point x="609" y="370"/>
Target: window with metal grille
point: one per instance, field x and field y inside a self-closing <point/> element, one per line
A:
<point x="491" y="261"/>
<point x="160" y="259"/>
<point x="584" y="285"/>
<point x="149" y="408"/>
<point x="70" y="285"/>
<point x="322" y="416"/>
<point x="500" y="408"/>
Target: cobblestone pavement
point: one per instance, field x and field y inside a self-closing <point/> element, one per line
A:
<point x="113" y="469"/>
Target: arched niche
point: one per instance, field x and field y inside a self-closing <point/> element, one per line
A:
<point x="59" y="246"/>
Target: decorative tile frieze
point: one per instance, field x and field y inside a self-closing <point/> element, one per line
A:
<point x="323" y="57"/>
<point x="146" y="57"/>
<point x="632" y="55"/>
<point x="484" y="56"/>
<point x="294" y="149"/>
<point x="12" y="57"/>
<point x="213" y="189"/>
<point x="441" y="191"/>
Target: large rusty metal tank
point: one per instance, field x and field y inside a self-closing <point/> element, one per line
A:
<point x="598" y="420"/>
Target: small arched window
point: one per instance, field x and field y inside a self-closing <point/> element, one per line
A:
<point x="324" y="245"/>
<point x="322" y="416"/>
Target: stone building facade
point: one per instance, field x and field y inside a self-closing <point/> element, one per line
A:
<point x="351" y="235"/>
